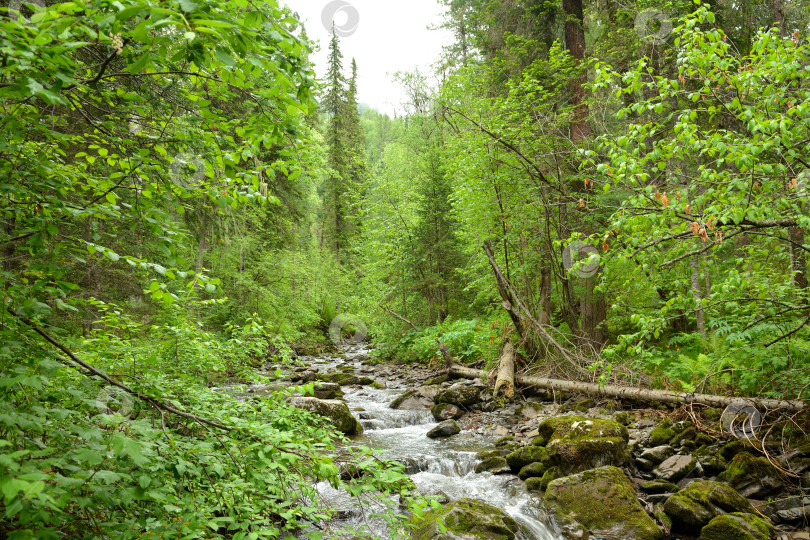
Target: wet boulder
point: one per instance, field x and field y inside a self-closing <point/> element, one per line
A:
<point x="460" y="394"/>
<point x="337" y="412"/>
<point x="752" y="476"/>
<point x="343" y="378"/>
<point x="494" y="465"/>
<point x="446" y="411"/>
<point x="737" y="526"/>
<point x="327" y="390"/>
<point x="467" y="519"/>
<point x="697" y="504"/>
<point x="526" y="455"/>
<point x="601" y="502"/>
<point x="575" y="443"/>
<point x="448" y="428"/>
<point x="410" y="400"/>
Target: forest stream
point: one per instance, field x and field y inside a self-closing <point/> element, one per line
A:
<point x="437" y="466"/>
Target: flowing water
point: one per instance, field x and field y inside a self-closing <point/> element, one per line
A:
<point x="436" y="466"/>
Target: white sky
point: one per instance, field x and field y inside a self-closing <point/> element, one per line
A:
<point x="392" y="36"/>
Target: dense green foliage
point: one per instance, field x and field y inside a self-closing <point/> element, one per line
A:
<point x="182" y="201"/>
<point x="159" y="228"/>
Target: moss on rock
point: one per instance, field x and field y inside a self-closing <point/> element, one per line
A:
<point x="491" y="464"/>
<point x="525" y="455"/>
<point x="659" y="486"/>
<point x="737" y="526"/>
<point x="532" y="470"/>
<point x="603" y="501"/>
<point x="459" y="394"/>
<point x="337" y="412"/>
<point x="576" y="443"/>
<point x="752" y="476"/>
<point x="465" y="518"/>
<point x="693" y="507"/>
<point x="661" y="435"/>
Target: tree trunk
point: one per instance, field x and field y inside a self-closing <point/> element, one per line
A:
<point x="593" y="309"/>
<point x="798" y="262"/>
<point x="509" y="301"/>
<point x="575" y="42"/>
<point x="635" y="394"/>
<point x="778" y="10"/>
<point x="505" y="383"/>
<point x="701" y="322"/>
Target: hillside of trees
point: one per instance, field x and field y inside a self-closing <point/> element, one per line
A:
<point x="184" y="200"/>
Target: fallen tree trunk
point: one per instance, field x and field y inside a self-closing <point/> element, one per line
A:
<point x="505" y="383"/>
<point x="638" y="394"/>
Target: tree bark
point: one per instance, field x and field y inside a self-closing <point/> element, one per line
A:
<point x="593" y="310"/>
<point x="701" y="321"/>
<point x="505" y="382"/>
<point x="575" y="42"/>
<point x="636" y="394"/>
<point x="510" y="301"/>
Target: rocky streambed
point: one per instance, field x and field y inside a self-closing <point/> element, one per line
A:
<point x="564" y="468"/>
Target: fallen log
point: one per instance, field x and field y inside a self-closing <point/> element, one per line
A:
<point x="637" y="394"/>
<point x="505" y="383"/>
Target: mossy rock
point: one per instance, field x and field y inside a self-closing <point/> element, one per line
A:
<point x="703" y="440"/>
<point x="343" y="378"/>
<point x="438" y="380"/>
<point x="493" y="464"/>
<point x="504" y="440"/>
<point x="737" y="526"/>
<point x="577" y="406"/>
<point x="486" y="454"/>
<point x="625" y="418"/>
<point x="752" y="476"/>
<point x="661" y="435"/>
<point x="337" y="412"/>
<point x="687" y="435"/>
<point x="655" y="487"/>
<point x="576" y="443"/>
<point x="465" y="518"/>
<point x="731" y="449"/>
<point x="604" y="502"/>
<point x="534" y="484"/>
<point x="525" y="455"/>
<point x="446" y="411"/>
<point x="693" y="507"/>
<point x="532" y="470"/>
<point x="459" y="394"/>
<point x="399" y="399"/>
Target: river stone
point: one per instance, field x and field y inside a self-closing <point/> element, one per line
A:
<point x="737" y="526"/>
<point x="459" y="394"/>
<point x="674" y="468"/>
<point x="525" y="455"/>
<point x="658" y="454"/>
<point x="327" y="390"/>
<point x="494" y="465"/>
<point x="603" y="502"/>
<point x="447" y="428"/>
<point x="410" y="401"/>
<point x="575" y="443"/>
<point x="789" y="510"/>
<point x="465" y="519"/>
<point x="656" y="487"/>
<point x="693" y="507"/>
<point x="334" y="410"/>
<point x="343" y="378"/>
<point x="752" y="476"/>
<point x="446" y="411"/>
<point x="532" y="470"/>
